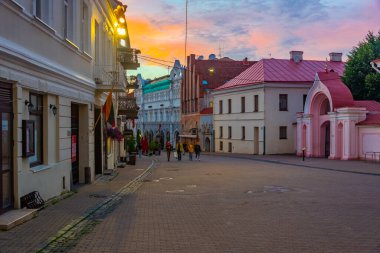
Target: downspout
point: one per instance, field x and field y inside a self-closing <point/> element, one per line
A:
<point x="264" y="140"/>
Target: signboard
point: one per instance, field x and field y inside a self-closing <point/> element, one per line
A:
<point x="73" y="148"/>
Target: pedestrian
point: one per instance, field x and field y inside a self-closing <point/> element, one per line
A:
<point x="168" y="147"/>
<point x="190" y="149"/>
<point x="197" y="151"/>
<point x="139" y="149"/>
<point x="179" y="149"/>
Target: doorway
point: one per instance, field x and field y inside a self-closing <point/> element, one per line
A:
<point x="255" y="140"/>
<point x="207" y="144"/>
<point x="75" y="143"/>
<point x="98" y="143"/>
<point x="327" y="140"/>
<point x="6" y="140"/>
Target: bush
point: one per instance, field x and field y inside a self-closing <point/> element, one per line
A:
<point x="131" y="144"/>
<point x="153" y="146"/>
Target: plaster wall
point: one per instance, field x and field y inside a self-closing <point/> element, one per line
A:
<point x="274" y="118"/>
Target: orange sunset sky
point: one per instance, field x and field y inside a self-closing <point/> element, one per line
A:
<point x="246" y="28"/>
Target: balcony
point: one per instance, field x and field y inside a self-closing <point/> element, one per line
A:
<point x="128" y="58"/>
<point x="127" y="105"/>
<point x="108" y="76"/>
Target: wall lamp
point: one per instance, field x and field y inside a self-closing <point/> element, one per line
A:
<point x="29" y="105"/>
<point x="53" y="108"/>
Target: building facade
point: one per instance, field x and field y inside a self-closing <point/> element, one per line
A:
<point x="336" y="126"/>
<point x="255" y="113"/>
<point x="159" y="102"/>
<point x="200" y="78"/>
<point x="56" y="70"/>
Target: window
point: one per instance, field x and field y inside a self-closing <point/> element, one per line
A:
<point x="221" y="145"/>
<point x="220" y="106"/>
<point x="243" y="132"/>
<point x="304" y="101"/>
<point x="221" y="132"/>
<point x="86" y="29"/>
<point x="283" y="102"/>
<point x="283" y="132"/>
<point x="229" y="132"/>
<point x="229" y="105"/>
<point x="69" y="19"/>
<point x="42" y="10"/>
<point x="256" y="103"/>
<point x="36" y="115"/>
<point x="242" y="104"/>
<point x="229" y="147"/>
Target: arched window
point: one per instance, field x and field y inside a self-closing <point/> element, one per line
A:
<point x="325" y="107"/>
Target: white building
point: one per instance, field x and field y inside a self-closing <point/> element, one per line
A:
<point x="159" y="102"/>
<point x="255" y="113"/>
<point x="57" y="61"/>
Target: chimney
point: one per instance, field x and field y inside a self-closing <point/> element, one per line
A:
<point x="335" y="57"/>
<point x="296" y="56"/>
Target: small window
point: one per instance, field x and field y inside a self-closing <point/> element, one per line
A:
<point x="243" y="132"/>
<point x="221" y="145"/>
<point x="221" y="132"/>
<point x="229" y="105"/>
<point x="256" y="103"/>
<point x="229" y="132"/>
<point x="304" y="101"/>
<point x="35" y="114"/>
<point x="242" y="104"/>
<point x="220" y="106"/>
<point x="283" y="102"/>
<point x="283" y="132"/>
<point x="229" y="147"/>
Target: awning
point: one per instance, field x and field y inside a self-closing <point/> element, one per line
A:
<point x="188" y="136"/>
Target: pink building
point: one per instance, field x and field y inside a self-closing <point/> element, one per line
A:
<point x="336" y="126"/>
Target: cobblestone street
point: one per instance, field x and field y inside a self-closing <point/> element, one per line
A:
<point x="222" y="204"/>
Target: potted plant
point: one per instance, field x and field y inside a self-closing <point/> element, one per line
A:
<point x="153" y="147"/>
<point x="131" y="148"/>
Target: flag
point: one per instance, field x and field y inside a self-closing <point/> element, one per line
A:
<point x="108" y="110"/>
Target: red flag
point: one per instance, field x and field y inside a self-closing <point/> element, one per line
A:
<point x="108" y="110"/>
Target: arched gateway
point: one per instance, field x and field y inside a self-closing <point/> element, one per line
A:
<point x="332" y="122"/>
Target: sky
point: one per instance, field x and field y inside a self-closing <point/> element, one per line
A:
<point x="246" y="28"/>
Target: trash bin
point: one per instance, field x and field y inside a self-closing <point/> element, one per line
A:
<point x="87" y="175"/>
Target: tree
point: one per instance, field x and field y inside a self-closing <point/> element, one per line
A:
<point x="359" y="76"/>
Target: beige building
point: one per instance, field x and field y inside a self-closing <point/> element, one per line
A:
<point x="58" y="61"/>
<point x="256" y="112"/>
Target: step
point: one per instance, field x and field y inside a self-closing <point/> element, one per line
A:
<point x="16" y="217"/>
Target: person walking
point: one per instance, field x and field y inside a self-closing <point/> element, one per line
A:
<point x="197" y="152"/>
<point x="179" y="149"/>
<point x="190" y="149"/>
<point x="168" y="147"/>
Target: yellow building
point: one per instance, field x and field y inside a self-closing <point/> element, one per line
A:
<point x="58" y="62"/>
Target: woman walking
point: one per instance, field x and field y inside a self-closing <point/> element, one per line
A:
<point x="197" y="152"/>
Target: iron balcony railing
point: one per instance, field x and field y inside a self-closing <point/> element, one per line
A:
<point x="108" y="76"/>
<point x="128" y="57"/>
<point x="127" y="105"/>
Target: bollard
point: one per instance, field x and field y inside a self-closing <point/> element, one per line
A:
<point x="303" y="154"/>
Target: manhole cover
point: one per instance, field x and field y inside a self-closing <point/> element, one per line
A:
<point x="166" y="178"/>
<point x="175" y="191"/>
<point x="191" y="186"/>
<point x="274" y="188"/>
<point x="95" y="195"/>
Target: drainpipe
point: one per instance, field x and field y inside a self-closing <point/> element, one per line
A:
<point x="264" y="140"/>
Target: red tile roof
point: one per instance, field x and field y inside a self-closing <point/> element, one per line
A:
<point x="372" y="119"/>
<point x="370" y="105"/>
<point x="208" y="110"/>
<point x="340" y="94"/>
<point x="282" y="70"/>
<point x="224" y="70"/>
